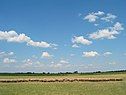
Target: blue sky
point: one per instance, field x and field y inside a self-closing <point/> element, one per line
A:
<point x="62" y="35"/>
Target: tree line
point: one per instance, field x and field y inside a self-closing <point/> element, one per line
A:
<point x="59" y="73"/>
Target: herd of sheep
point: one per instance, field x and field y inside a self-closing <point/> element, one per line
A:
<point x="62" y="80"/>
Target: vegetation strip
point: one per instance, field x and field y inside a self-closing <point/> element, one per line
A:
<point x="61" y="80"/>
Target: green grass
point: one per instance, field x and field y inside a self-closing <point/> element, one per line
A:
<point x="109" y="88"/>
<point x="75" y="88"/>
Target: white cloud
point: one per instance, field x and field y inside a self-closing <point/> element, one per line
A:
<point x="46" y="55"/>
<point x="34" y="57"/>
<point x="12" y="36"/>
<point x="75" y="46"/>
<point x="58" y="65"/>
<point x="38" y="44"/>
<point x="92" y="17"/>
<point x="109" y="17"/>
<point x="72" y="54"/>
<point x="28" y="61"/>
<point x="6" y="54"/>
<point x="107" y="53"/>
<point x="2" y="54"/>
<point x="104" y="33"/>
<point x="63" y="61"/>
<point x="112" y="63"/>
<point x="96" y="24"/>
<point x="52" y="62"/>
<point x="19" y="38"/>
<point x="117" y="27"/>
<point x="7" y="35"/>
<point x="8" y="60"/>
<point x="90" y="54"/>
<point x="81" y="40"/>
<point x="11" y="53"/>
<point x="99" y="13"/>
<point x="108" y="33"/>
<point x="79" y="14"/>
<point x="32" y="62"/>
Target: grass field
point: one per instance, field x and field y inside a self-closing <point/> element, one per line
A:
<point x="65" y="88"/>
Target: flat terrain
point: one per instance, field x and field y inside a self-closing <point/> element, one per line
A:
<point x="65" y="88"/>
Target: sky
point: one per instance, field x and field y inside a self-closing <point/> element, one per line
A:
<point x="62" y="35"/>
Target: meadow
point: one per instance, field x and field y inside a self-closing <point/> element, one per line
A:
<point x="65" y="88"/>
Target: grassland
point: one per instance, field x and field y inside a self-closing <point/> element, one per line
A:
<point x="66" y="88"/>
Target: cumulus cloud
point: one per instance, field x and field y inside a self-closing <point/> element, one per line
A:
<point x="90" y="54"/>
<point x="3" y="54"/>
<point x="7" y="57"/>
<point x="8" y="60"/>
<point x="117" y="27"/>
<point x="96" y="24"/>
<point x="109" y="17"/>
<point x="46" y="55"/>
<point x="28" y="61"/>
<point x="38" y="44"/>
<point x="34" y="57"/>
<point x="20" y="38"/>
<point x="107" y="53"/>
<point x="60" y="64"/>
<point x="92" y="17"/>
<point x="112" y="63"/>
<point x="63" y="61"/>
<point x="6" y="54"/>
<point x="79" y="14"/>
<point x="81" y="40"/>
<point x="75" y="46"/>
<point x="72" y="54"/>
<point x="11" y="53"/>
<point x="12" y="36"/>
<point x="104" y="33"/>
<point x="99" y="13"/>
<point x="108" y="33"/>
<point x="31" y="62"/>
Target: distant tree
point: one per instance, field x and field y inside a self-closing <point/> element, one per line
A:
<point x="48" y="73"/>
<point x="98" y="72"/>
<point x="43" y="73"/>
<point x="29" y="72"/>
<point x="75" y="72"/>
